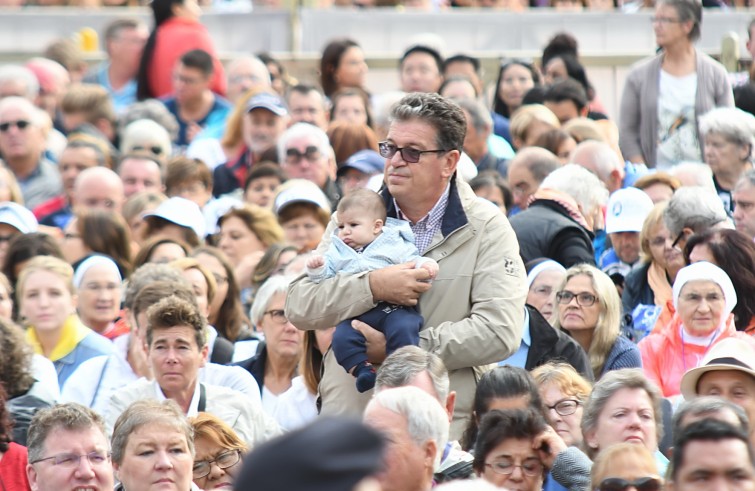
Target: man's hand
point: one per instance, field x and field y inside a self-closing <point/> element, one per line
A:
<point x="401" y="284"/>
<point x="374" y="339"/>
<point x="315" y="261"/>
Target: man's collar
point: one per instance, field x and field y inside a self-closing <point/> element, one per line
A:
<point x="193" y="405"/>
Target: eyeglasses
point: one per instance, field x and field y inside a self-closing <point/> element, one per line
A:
<point x="277" y="315"/>
<point x="584" y="299"/>
<point x="531" y="468"/>
<point x="641" y="484"/>
<point x="224" y="461"/>
<point x="565" y="407"/>
<point x="674" y="244"/>
<point x="154" y="150"/>
<point x="72" y="460"/>
<point x="408" y="154"/>
<point x="20" y="124"/>
<point x="543" y="291"/>
<point x="311" y="153"/>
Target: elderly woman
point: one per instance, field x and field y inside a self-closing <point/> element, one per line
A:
<point x="589" y="309"/>
<point x="153" y="442"/>
<point x="624" y="407"/>
<point x="47" y="301"/>
<point x="649" y="285"/>
<point x="276" y="364"/>
<point x="147" y="136"/>
<point x="564" y="393"/>
<point x="543" y="279"/>
<point x="245" y="234"/>
<point x="516" y="448"/>
<point x="733" y="252"/>
<point x="728" y="134"/>
<point x="665" y="96"/>
<point x="704" y="298"/>
<point x="218" y="452"/>
<point x="626" y="465"/>
<point x="98" y="283"/>
<point x="561" y="217"/>
<point x="304" y="212"/>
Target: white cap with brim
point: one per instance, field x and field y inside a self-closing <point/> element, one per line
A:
<point x="182" y="212"/>
<point x="18" y="217"/>
<point x="303" y="192"/>
<point x="728" y="354"/>
<point x="627" y="210"/>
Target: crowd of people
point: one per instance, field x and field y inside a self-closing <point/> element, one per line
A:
<point x="215" y="276"/>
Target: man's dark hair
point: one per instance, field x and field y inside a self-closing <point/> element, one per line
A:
<point x="462" y="58"/>
<point x="423" y="49"/>
<point x="566" y="90"/>
<point x="303" y="89"/>
<point x="175" y="311"/>
<point x="199" y="59"/>
<point x="707" y="430"/>
<point x="442" y="114"/>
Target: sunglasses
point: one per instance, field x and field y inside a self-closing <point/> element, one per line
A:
<point x="409" y="155"/>
<point x="311" y="153"/>
<point x="155" y="150"/>
<point x="641" y="484"/>
<point x="20" y="124"/>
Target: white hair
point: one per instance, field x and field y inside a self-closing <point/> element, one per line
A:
<point x="18" y="73"/>
<point x="587" y="190"/>
<point x="301" y="130"/>
<point x="731" y="123"/>
<point x="258" y="67"/>
<point x="693" y="207"/>
<point x="271" y="287"/>
<point x="37" y="117"/>
<point x="599" y="156"/>
<point x="146" y="132"/>
<point x="426" y="419"/>
<point x="693" y="174"/>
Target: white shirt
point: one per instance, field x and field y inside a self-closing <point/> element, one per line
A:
<point x="296" y="407"/>
<point x="677" y="124"/>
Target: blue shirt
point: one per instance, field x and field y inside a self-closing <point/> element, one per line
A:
<point x="123" y="97"/>
<point x="519" y="359"/>
<point x="216" y="116"/>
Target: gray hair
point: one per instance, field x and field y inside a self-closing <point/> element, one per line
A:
<point x="148" y="274"/>
<point x="688" y="10"/>
<point x="70" y="417"/>
<point x="304" y="130"/>
<point x="732" y="123"/>
<point x="747" y="179"/>
<point x="91" y="144"/>
<point x="442" y="114"/>
<point x="271" y="287"/>
<point x="37" y="116"/>
<point x="143" y="131"/>
<point x="693" y="207"/>
<point x="149" y="411"/>
<point x="404" y="364"/>
<point x="599" y="156"/>
<point x="426" y="419"/>
<point x="587" y="190"/>
<point x="19" y="73"/>
<point x="707" y="407"/>
<point x="607" y="387"/>
<point x="480" y="116"/>
<point x="693" y="174"/>
<point x="150" y="109"/>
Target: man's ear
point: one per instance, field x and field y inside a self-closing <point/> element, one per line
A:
<point x="431" y="451"/>
<point x="451" y="162"/>
<point x="31" y="476"/>
<point x="450" y="405"/>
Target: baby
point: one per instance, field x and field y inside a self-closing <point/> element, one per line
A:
<point x="365" y="241"/>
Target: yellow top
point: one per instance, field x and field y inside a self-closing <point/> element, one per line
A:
<point x="71" y="335"/>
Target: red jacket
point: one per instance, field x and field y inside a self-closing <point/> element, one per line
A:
<point x="664" y="360"/>
<point x="175" y="37"/>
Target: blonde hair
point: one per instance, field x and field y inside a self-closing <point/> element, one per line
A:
<point x="233" y="135"/>
<point x="9" y="181"/>
<point x="651" y="221"/>
<point x="526" y="115"/>
<point x="638" y="455"/>
<point x="606" y="330"/>
<point x="563" y="376"/>
<point x="217" y="431"/>
<point x="50" y="264"/>
<point x="583" y="129"/>
<point x="260" y="221"/>
<point x="187" y="263"/>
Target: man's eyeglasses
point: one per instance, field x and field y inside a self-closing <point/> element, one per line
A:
<point x="531" y="468"/>
<point x="641" y="484"/>
<point x="565" y="407"/>
<point x="224" y="461"/>
<point x="311" y="153"/>
<point x="675" y="244"/>
<point x="277" y="315"/>
<point x="20" y="124"/>
<point x="72" y="459"/>
<point x="584" y="299"/>
<point x="408" y="154"/>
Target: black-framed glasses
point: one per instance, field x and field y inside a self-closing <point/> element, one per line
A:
<point x="531" y="468"/>
<point x="584" y="299"/>
<point x="408" y="154"/>
<point x="224" y="461"/>
<point x="675" y="243"/>
<point x="311" y="153"/>
<point x="277" y="315"/>
<point x="20" y="124"/>
<point x="565" y="407"/>
<point x="641" y="484"/>
<point x="71" y="460"/>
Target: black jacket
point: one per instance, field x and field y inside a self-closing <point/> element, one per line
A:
<point x="549" y="344"/>
<point x="637" y="289"/>
<point x="545" y="229"/>
<point x="256" y="365"/>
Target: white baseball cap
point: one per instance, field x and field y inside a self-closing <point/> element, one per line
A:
<point x="627" y="210"/>
<point x="18" y="217"/>
<point x="301" y="191"/>
<point x="182" y="212"/>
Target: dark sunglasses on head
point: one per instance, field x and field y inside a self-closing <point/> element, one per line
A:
<point x="21" y="125"/>
<point x="641" y="484"/>
<point x="310" y="153"/>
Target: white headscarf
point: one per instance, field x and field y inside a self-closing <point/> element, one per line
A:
<point x="540" y="267"/>
<point x="89" y="263"/>
<point x="704" y="270"/>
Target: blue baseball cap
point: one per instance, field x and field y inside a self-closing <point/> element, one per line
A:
<point x="366" y="161"/>
<point x="268" y="101"/>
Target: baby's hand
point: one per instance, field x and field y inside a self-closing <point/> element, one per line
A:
<point x="432" y="268"/>
<point x="315" y="261"/>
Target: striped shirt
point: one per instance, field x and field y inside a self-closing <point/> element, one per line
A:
<point x="424" y="230"/>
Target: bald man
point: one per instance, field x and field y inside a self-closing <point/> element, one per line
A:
<point x="98" y="187"/>
<point x="600" y="159"/>
<point x="244" y="74"/>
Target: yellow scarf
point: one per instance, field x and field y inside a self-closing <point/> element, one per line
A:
<point x="71" y="334"/>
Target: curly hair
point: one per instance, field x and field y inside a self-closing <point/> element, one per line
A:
<point x="15" y="364"/>
<point x="5" y="423"/>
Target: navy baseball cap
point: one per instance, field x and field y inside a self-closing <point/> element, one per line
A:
<point x="366" y="161"/>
